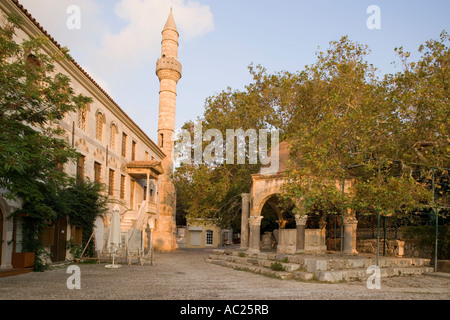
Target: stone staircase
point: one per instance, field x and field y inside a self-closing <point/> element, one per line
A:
<point x="323" y="267"/>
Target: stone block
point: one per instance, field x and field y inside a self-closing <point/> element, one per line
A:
<point x="271" y="256"/>
<point x="297" y="259"/>
<point x="335" y="264"/>
<point x="443" y="266"/>
<point x="329" y="276"/>
<point x="280" y="257"/>
<point x="355" y="274"/>
<point x="302" y="275"/>
<point x="262" y="256"/>
<point x="290" y="266"/>
<point x="357" y="263"/>
<point x="313" y="265"/>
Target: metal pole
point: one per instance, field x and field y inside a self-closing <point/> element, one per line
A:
<point x="436" y="240"/>
<point x="151" y="247"/>
<point x="378" y="228"/>
<point x="342" y="219"/>
<point x="378" y="238"/>
<point x="384" y="236"/>
<point x="435" y="210"/>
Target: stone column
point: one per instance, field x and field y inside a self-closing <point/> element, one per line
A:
<point x="300" y="222"/>
<point x="244" y="219"/>
<point x="350" y="224"/>
<point x="255" y="228"/>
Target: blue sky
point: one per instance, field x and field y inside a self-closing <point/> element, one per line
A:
<point x="219" y="39"/>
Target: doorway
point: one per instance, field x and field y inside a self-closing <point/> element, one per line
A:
<point x="60" y="236"/>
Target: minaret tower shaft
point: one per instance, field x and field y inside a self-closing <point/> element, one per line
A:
<point x="168" y="70"/>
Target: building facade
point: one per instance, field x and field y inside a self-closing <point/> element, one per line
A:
<point x="114" y="151"/>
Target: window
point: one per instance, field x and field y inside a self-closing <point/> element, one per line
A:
<point x="77" y="235"/>
<point x="33" y="60"/>
<point x="81" y="168"/>
<point x="111" y="182"/>
<point x="161" y="140"/>
<point x="209" y="238"/>
<point x="124" y="144"/>
<point x="82" y="118"/>
<point x="35" y="71"/>
<point x="122" y="187"/>
<point x="59" y="166"/>
<point x="114" y="132"/>
<point x="133" y="150"/>
<point x="99" y="126"/>
<point x="97" y="172"/>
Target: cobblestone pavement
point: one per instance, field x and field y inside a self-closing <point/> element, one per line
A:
<point x="184" y="275"/>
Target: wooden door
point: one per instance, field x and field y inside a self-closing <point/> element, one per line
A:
<point x="59" y="245"/>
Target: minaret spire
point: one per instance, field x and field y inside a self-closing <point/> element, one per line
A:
<point x="168" y="70"/>
<point x="170" y="24"/>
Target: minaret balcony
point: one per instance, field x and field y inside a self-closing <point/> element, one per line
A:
<point x="167" y="63"/>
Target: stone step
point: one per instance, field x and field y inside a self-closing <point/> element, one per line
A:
<point x="256" y="262"/>
<point x="253" y="268"/>
<point x="361" y="274"/>
<point x="346" y="270"/>
<point x="315" y="263"/>
<point x="303" y="275"/>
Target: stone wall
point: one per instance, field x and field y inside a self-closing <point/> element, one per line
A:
<point x="414" y="249"/>
<point x="408" y="248"/>
<point x="393" y="247"/>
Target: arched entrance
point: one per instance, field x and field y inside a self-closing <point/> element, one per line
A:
<point x="277" y="215"/>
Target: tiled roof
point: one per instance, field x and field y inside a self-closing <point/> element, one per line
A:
<point x="143" y="164"/>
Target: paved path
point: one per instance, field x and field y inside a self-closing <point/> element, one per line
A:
<point x="184" y="275"/>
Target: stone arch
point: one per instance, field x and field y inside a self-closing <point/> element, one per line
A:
<point x="262" y="191"/>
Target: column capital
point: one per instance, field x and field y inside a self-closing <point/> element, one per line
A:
<point x="300" y="220"/>
<point x="350" y="220"/>
<point x="255" y="220"/>
<point x="245" y="196"/>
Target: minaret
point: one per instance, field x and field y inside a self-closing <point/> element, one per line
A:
<point x="168" y="70"/>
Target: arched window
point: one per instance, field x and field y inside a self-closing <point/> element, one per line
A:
<point x="99" y="126"/>
<point x="114" y="132"/>
<point x="33" y="60"/>
<point x="209" y="237"/>
<point x="82" y="118"/>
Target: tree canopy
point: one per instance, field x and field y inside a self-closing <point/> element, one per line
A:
<point x="34" y="98"/>
<point x="342" y="121"/>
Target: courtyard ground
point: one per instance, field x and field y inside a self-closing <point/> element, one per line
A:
<point x="184" y="275"/>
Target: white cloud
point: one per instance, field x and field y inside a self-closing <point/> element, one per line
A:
<point x="53" y="17"/>
<point x="140" y="40"/>
<point x="115" y="44"/>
